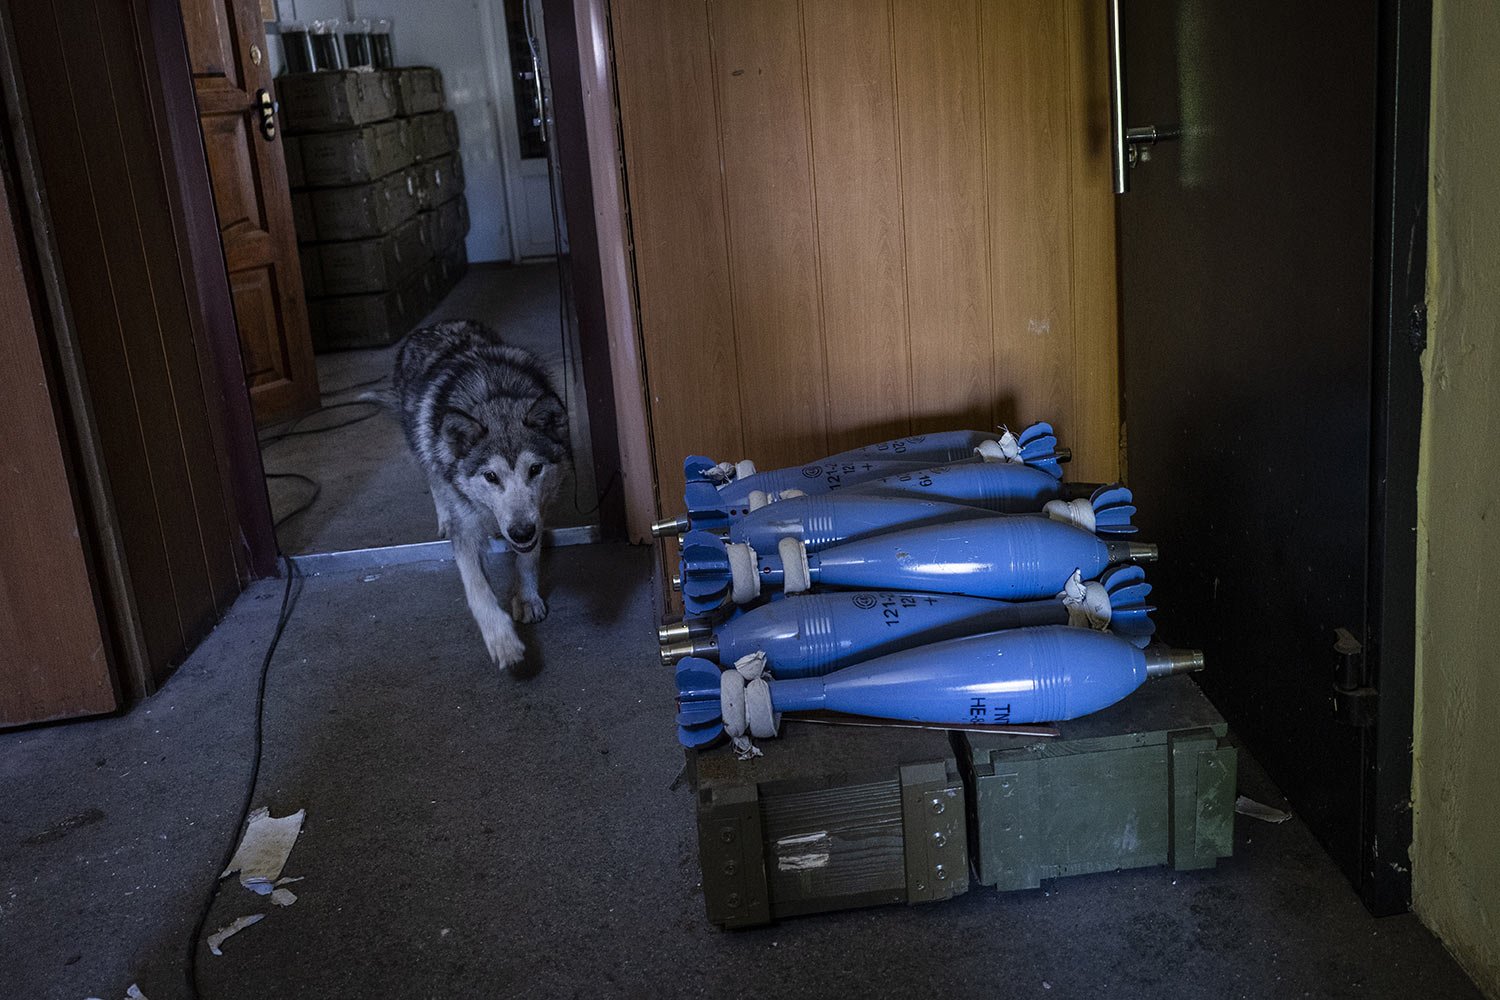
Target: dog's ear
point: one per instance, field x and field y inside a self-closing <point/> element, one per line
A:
<point x="547" y="416"/>
<point x="461" y="431"/>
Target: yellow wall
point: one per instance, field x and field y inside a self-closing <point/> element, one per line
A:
<point x="1456" y="778"/>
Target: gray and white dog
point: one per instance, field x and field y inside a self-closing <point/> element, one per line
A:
<point x="490" y="432"/>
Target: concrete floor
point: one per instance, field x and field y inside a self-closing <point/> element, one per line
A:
<point x="373" y="493"/>
<point x="471" y="835"/>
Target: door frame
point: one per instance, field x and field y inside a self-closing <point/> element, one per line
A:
<point x="206" y="276"/>
<point x="1399" y="338"/>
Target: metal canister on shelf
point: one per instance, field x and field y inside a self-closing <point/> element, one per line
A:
<point x="297" y="47"/>
<point x="325" y="44"/>
<point x="357" y="52"/>
<point x="382" y="47"/>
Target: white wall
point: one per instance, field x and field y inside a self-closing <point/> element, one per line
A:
<point x="451" y="35"/>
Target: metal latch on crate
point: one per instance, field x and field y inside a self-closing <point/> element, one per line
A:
<point x="1354" y="700"/>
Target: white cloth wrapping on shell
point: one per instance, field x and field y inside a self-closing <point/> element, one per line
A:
<point x="1087" y="603"/>
<point x="758" y="499"/>
<point x="745" y="704"/>
<point x="1007" y="449"/>
<point x="743" y="577"/>
<point x="795" y="574"/>
<point x="790" y="494"/>
<point x="744" y="467"/>
<point x="1078" y="512"/>
<point x="720" y="474"/>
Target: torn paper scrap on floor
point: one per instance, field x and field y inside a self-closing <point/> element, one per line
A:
<point x="283" y="897"/>
<point x="223" y="934"/>
<point x="263" y="851"/>
<point x="134" y="993"/>
<point x="1246" y="806"/>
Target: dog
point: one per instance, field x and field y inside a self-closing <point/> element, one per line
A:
<point x="490" y="432"/>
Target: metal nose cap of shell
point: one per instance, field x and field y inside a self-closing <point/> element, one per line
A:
<point x="1135" y="552"/>
<point x="682" y="630"/>
<point x="1161" y="661"/>
<point x="675" y="651"/>
<point x="670" y="526"/>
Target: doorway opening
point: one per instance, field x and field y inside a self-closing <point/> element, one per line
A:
<point x="478" y="231"/>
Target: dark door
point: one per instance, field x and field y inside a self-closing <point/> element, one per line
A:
<point x="231" y="69"/>
<point x="1253" y="345"/>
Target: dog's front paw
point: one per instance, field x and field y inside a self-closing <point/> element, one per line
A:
<point x="528" y="608"/>
<point x="506" y="648"/>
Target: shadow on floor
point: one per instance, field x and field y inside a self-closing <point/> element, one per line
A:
<point x="469" y="835"/>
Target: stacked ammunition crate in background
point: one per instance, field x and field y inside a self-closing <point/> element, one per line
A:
<point x="377" y="184"/>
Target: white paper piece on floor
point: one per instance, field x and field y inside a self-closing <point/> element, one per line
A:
<point x="283" y="897"/>
<point x="134" y="993"/>
<point x="264" y="850"/>
<point x="1246" y="806"/>
<point x="221" y="935"/>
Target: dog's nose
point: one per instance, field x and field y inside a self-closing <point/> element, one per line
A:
<point x="522" y="533"/>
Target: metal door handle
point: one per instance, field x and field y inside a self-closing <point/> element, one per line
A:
<point x="265" y="108"/>
<point x="1119" y="151"/>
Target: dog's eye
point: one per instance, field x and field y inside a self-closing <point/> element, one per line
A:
<point x="490" y="477"/>
<point x="536" y="470"/>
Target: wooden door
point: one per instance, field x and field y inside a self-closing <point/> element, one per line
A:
<point x="55" y="662"/>
<point x="227" y="51"/>
<point x="858" y="219"/>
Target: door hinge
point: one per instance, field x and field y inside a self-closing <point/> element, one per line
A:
<point x="1354" y="700"/>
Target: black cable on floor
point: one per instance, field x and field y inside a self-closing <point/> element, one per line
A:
<point x="317" y="491"/>
<point x="282" y="617"/>
<point x="297" y="430"/>
<point x="350" y="388"/>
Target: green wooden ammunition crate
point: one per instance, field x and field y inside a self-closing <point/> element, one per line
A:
<point x="354" y="156"/>
<point x="312" y="270"/>
<point x="342" y="322"/>
<point x="445" y="225"/>
<point x="360" y="211"/>
<point x="831" y="818"/>
<point x="439" y="180"/>
<point x="1148" y="781"/>
<point x="329" y="100"/>
<point x="433" y="134"/>
<point x="303" y="218"/>
<point x="291" y="148"/>
<point x="377" y="264"/>
<point x="418" y="89"/>
<point x="452" y="265"/>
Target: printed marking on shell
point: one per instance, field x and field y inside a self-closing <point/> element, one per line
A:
<point x="1039" y="327"/>
<point x="802" y="862"/>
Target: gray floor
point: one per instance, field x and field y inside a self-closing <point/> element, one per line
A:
<point x="372" y="493"/>
<point x="471" y="835"/>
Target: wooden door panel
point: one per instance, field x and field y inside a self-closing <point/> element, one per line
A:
<point x="1096" y="322"/>
<point x="253" y="203"/>
<point x="238" y="199"/>
<point x="1027" y="186"/>
<point x="55" y="661"/>
<point x="670" y="133"/>
<point x="772" y="240"/>
<point x="255" y="300"/>
<point x="943" y="147"/>
<point x="861" y="233"/>
<point x="855" y="219"/>
<point x="208" y="26"/>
